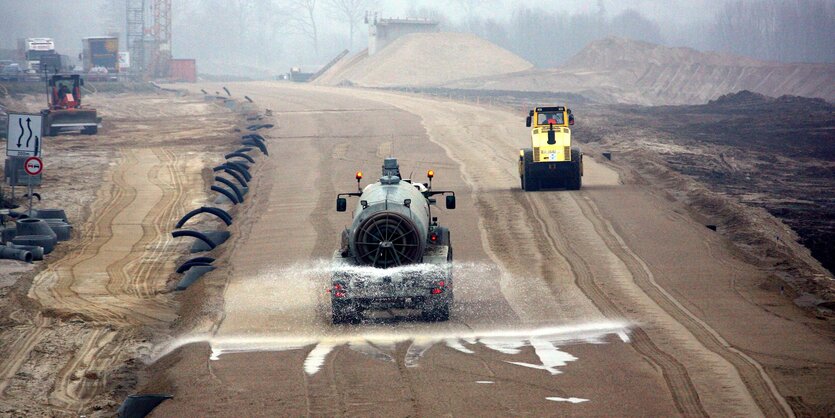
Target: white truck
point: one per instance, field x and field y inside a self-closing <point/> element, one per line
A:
<point x="33" y="49"/>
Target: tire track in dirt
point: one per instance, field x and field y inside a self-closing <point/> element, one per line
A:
<point x="24" y="343"/>
<point x="73" y="285"/>
<point x="110" y="276"/>
<point x="545" y="227"/>
<point x="131" y="277"/>
<point x="685" y="395"/>
<point x="80" y="377"/>
<point x="52" y="288"/>
<point x="324" y="395"/>
<point x="760" y="385"/>
<point x="471" y="152"/>
<point x="152" y="253"/>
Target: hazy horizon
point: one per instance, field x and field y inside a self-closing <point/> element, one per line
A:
<point x="269" y="36"/>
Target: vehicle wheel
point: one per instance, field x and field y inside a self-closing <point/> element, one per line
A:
<point x="530" y="182"/>
<point x="343" y="313"/>
<point x="90" y="131"/>
<point x="576" y="180"/>
<point x="436" y="312"/>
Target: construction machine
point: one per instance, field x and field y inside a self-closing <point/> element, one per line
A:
<point x="394" y="255"/>
<point x="551" y="161"/>
<point x="65" y="111"/>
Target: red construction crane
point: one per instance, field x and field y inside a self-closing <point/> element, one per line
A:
<point x="161" y="32"/>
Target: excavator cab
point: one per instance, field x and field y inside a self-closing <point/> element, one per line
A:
<point x="65" y="111"/>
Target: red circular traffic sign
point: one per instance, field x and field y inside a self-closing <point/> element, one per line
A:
<point x="33" y="166"/>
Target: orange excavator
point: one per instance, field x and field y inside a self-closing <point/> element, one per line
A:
<point x="65" y="111"/>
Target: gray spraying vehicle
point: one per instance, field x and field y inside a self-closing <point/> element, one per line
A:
<point x="394" y="254"/>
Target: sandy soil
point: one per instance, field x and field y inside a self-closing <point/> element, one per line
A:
<point x="542" y="280"/>
<point x="74" y="326"/>
<point x="425" y="59"/>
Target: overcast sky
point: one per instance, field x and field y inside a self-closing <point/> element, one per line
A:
<point x="669" y="10"/>
<point x="260" y="33"/>
<point x="70" y="20"/>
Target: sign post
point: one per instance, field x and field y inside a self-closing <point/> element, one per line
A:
<point x="33" y="166"/>
<point x="124" y="60"/>
<point x="24" y="135"/>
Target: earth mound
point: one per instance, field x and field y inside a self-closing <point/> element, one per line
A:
<point x="616" y="70"/>
<point x="746" y="99"/>
<point x="741" y="98"/>
<point x="611" y="53"/>
<point x="425" y="60"/>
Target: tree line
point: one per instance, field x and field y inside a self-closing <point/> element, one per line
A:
<point x="774" y="30"/>
<point x="262" y="32"/>
<point x="271" y="34"/>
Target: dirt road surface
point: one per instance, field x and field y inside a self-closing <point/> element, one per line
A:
<point x="607" y="301"/>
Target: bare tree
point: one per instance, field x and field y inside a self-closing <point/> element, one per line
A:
<point x="799" y="30"/>
<point x="351" y="12"/>
<point x="302" y="19"/>
<point x="113" y="16"/>
<point x="471" y="9"/>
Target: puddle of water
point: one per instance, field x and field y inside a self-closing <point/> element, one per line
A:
<point x="266" y="301"/>
<point x="549" y="356"/>
<point x="416" y="351"/>
<point x="572" y="399"/>
<point x="503" y="345"/>
<point x="545" y="342"/>
<point x="314" y="361"/>
<point x="455" y="344"/>
<point x="371" y="351"/>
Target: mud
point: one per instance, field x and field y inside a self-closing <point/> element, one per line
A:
<point x="741" y="148"/>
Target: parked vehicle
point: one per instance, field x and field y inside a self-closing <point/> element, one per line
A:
<point x="100" y="74"/>
<point x="12" y="72"/>
<point x="32" y="49"/>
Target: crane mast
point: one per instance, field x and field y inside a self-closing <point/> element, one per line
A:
<point x="159" y="56"/>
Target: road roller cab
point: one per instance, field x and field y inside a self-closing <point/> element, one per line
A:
<point x="394" y="254"/>
<point x="551" y="161"/>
